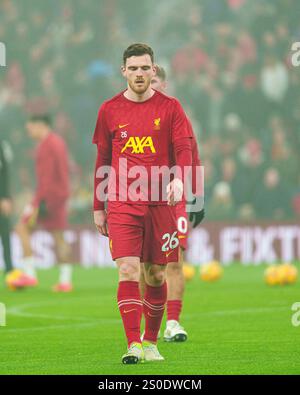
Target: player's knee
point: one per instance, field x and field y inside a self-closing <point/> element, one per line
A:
<point x="129" y="271"/>
<point x="174" y="268"/>
<point x="19" y="228"/>
<point x="158" y="277"/>
<point x="64" y="253"/>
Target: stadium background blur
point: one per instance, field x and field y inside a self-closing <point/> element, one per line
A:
<point x="229" y="62"/>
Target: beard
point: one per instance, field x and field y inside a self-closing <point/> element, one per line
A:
<point x="139" y="88"/>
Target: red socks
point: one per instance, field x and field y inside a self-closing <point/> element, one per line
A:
<point x="154" y="306"/>
<point x="174" y="309"/>
<point x="131" y="309"/>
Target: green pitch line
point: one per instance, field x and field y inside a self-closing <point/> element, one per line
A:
<point x="237" y="325"/>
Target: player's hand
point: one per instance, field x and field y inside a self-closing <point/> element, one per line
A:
<point x="174" y="192"/>
<point x="100" y="222"/>
<point x="6" y="206"/>
<point x="196" y="217"/>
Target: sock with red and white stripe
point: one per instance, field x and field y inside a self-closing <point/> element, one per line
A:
<point x="154" y="305"/>
<point x="174" y="309"/>
<point x="131" y="309"/>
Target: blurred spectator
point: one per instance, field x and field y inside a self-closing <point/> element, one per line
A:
<point x="274" y="80"/>
<point x="230" y="176"/>
<point x="221" y="206"/>
<point x="231" y="69"/>
<point x="271" y="199"/>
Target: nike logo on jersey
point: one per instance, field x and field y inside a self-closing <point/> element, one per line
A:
<point x="181" y="236"/>
<point x="123" y="126"/>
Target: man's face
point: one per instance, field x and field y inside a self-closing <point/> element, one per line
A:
<point x="33" y="129"/>
<point x="158" y="84"/>
<point x="139" y="70"/>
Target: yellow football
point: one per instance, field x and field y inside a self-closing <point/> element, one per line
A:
<point x="271" y="275"/>
<point x="11" y="277"/>
<point x="188" y="271"/>
<point x="211" y="271"/>
<point x="285" y="273"/>
<point x="289" y="273"/>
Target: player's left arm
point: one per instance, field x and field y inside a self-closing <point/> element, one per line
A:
<point x="63" y="168"/>
<point x="44" y="170"/>
<point x="181" y="140"/>
<point x="197" y="215"/>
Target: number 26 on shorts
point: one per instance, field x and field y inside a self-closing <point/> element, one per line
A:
<point x="171" y="241"/>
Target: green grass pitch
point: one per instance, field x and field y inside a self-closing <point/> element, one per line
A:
<point x="237" y="325"/>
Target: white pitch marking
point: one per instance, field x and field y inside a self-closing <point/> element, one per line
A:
<point x="86" y="320"/>
<point x="238" y="311"/>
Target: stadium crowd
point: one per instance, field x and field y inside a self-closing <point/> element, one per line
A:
<point x="228" y="61"/>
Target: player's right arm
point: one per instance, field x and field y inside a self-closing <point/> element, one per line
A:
<point x="100" y="222"/>
<point x="102" y="138"/>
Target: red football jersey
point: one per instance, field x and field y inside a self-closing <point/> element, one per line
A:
<point x="144" y="133"/>
<point x="52" y="170"/>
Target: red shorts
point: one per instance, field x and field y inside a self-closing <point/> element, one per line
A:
<point x="145" y="231"/>
<point x="182" y="224"/>
<point x="56" y="217"/>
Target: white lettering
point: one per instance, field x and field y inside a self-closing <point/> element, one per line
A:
<point x="230" y="246"/>
<point x="200" y="249"/>
<point x="2" y="314"/>
<point x="287" y="234"/>
<point x="2" y="54"/>
<point x="94" y="249"/>
<point x="296" y="56"/>
<point x="296" y="316"/>
<point x="138" y="189"/>
<point x="42" y="244"/>
<point x="246" y="245"/>
<point x="264" y="248"/>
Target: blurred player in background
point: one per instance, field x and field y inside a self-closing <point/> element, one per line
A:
<point x="5" y="204"/>
<point x="48" y="208"/>
<point x="14" y="278"/>
<point x="175" y="278"/>
<point x="145" y="128"/>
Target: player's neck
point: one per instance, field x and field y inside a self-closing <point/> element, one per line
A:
<point x="133" y="96"/>
<point x="44" y="134"/>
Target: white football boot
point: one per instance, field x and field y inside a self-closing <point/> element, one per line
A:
<point x="134" y="355"/>
<point x="174" y="332"/>
<point x="151" y="352"/>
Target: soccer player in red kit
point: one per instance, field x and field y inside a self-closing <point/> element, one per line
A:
<point x="137" y="131"/>
<point x="175" y="278"/>
<point x="48" y="208"/>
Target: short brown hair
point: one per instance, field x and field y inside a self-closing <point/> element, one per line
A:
<point x="160" y="72"/>
<point x="44" y="118"/>
<point x="137" y="49"/>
